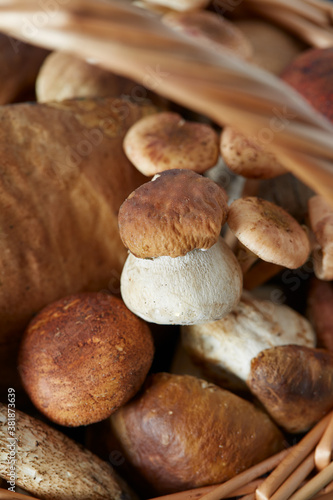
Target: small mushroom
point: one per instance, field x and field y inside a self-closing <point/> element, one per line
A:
<point x="166" y="141"/>
<point x="321" y="221"/>
<point x="179" y="271"/>
<point x="64" y="76"/>
<point x="183" y="432"/>
<point x="269" y="232"/>
<point x="212" y="30"/>
<point x="247" y="157"/>
<point x="294" y="383"/>
<point x="229" y="345"/>
<point x="84" y="356"/>
<point x="53" y="467"/>
<point x="273" y="47"/>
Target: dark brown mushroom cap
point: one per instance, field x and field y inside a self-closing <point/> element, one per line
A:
<point x="294" y="383"/>
<point x="84" y="356"/>
<point x="165" y="141"/>
<point x="269" y="232"/>
<point x="183" y="432"/>
<point x="175" y="213"/>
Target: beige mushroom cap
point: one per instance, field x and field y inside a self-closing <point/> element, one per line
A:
<point x="252" y="326"/>
<point x="165" y="141"/>
<point x="199" y="287"/>
<point x="321" y="220"/>
<point x="247" y="157"/>
<point x="178" y="211"/>
<point x="181" y="5"/>
<point x="273" y="48"/>
<point x="212" y="30"/>
<point x="269" y="232"/>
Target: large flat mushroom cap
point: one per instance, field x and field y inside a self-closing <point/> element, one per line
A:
<point x="179" y="211"/>
<point x="269" y="232"/>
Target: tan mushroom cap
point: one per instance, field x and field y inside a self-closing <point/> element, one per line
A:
<point x="321" y="220"/>
<point x="165" y="141"/>
<point x="273" y="48"/>
<point x="181" y="5"/>
<point x="269" y="232"/>
<point x="247" y="157"/>
<point x="211" y="29"/>
<point x="176" y="212"/>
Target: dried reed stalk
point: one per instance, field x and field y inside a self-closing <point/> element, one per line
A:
<point x="136" y="44"/>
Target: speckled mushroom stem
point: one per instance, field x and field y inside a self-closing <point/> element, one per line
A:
<point x="52" y="466"/>
<point x="123" y="38"/>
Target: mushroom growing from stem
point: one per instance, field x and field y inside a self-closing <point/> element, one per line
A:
<point x="253" y="325"/>
<point x="52" y="466"/>
<point x="179" y="271"/>
<point x="321" y="221"/>
<point x="268" y="232"/>
<point x="165" y="141"/>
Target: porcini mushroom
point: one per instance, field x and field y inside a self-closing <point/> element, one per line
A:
<point x="247" y="157"/>
<point x="228" y="345"/>
<point x="321" y="221"/>
<point x="183" y="432"/>
<point x="212" y="30"/>
<point x="166" y="141"/>
<point x="50" y="465"/>
<point x="179" y="271"/>
<point x="294" y="383"/>
<point x="269" y="232"/>
<point x="84" y="356"/>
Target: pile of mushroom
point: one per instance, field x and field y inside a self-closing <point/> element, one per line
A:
<point x="116" y="195"/>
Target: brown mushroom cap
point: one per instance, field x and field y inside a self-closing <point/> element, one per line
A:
<point x="175" y="213"/>
<point x="269" y="232"/>
<point x="212" y="30"/>
<point x="294" y="383"/>
<point x="165" y="141"/>
<point x="247" y="157"/>
<point x="183" y="432"/>
<point x="321" y="220"/>
<point x="84" y="356"/>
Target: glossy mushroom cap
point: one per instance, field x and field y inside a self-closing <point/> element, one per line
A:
<point x="84" y="356"/>
<point x="269" y="232"/>
<point x="171" y="215"/>
<point x="212" y="30"/>
<point x="198" y="287"/>
<point x="294" y="383"/>
<point x="252" y="326"/>
<point x="247" y="157"/>
<point x="183" y="432"/>
<point x="321" y="220"/>
<point x="165" y="141"/>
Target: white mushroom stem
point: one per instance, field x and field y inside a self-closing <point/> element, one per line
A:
<point x="252" y="326"/>
<point x="196" y="288"/>
<point x="52" y="466"/>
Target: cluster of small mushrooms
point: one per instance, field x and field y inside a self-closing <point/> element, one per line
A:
<point x="247" y="372"/>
